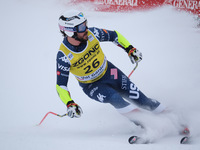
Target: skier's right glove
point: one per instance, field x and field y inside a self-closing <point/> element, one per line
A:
<point x="134" y="54"/>
<point x="73" y="110"/>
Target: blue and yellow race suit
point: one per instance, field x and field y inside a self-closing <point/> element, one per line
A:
<point x="99" y="78"/>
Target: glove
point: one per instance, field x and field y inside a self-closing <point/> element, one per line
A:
<point x="134" y="54"/>
<point x="73" y="110"/>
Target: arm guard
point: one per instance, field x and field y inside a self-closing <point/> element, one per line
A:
<point x="63" y="94"/>
<point x="122" y="41"/>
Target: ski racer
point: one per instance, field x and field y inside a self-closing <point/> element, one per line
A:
<point x="80" y="53"/>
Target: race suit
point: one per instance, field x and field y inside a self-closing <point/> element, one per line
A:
<point x="99" y="78"/>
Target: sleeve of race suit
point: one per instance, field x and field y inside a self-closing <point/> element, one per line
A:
<point x="103" y="34"/>
<point x="63" y="68"/>
<point x="113" y="36"/>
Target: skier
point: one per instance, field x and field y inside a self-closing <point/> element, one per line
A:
<point x="80" y="53"/>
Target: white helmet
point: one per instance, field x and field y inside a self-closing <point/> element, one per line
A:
<point x="72" y="21"/>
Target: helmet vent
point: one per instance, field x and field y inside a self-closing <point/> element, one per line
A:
<point x="68" y="19"/>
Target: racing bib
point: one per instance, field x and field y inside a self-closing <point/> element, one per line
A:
<point x="88" y="65"/>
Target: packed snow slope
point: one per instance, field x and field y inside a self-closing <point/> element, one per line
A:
<point x="169" y="72"/>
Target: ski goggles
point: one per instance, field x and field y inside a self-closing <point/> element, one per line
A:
<point x="82" y="27"/>
<point x="79" y="28"/>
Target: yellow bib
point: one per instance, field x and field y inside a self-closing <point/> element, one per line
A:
<point x="88" y="65"/>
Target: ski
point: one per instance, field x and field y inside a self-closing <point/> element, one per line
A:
<point x="145" y="140"/>
<point x="138" y="140"/>
<point x="185" y="140"/>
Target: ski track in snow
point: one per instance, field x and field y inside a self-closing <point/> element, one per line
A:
<point x="169" y="72"/>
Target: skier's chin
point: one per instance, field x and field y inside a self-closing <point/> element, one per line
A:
<point x="84" y="38"/>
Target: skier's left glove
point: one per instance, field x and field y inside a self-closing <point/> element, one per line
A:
<point x="73" y="110"/>
<point x="134" y="54"/>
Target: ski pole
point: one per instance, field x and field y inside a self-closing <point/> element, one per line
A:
<point x="133" y="70"/>
<point x="53" y="114"/>
<point x="66" y="113"/>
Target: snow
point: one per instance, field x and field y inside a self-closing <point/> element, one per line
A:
<point x="169" y="72"/>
